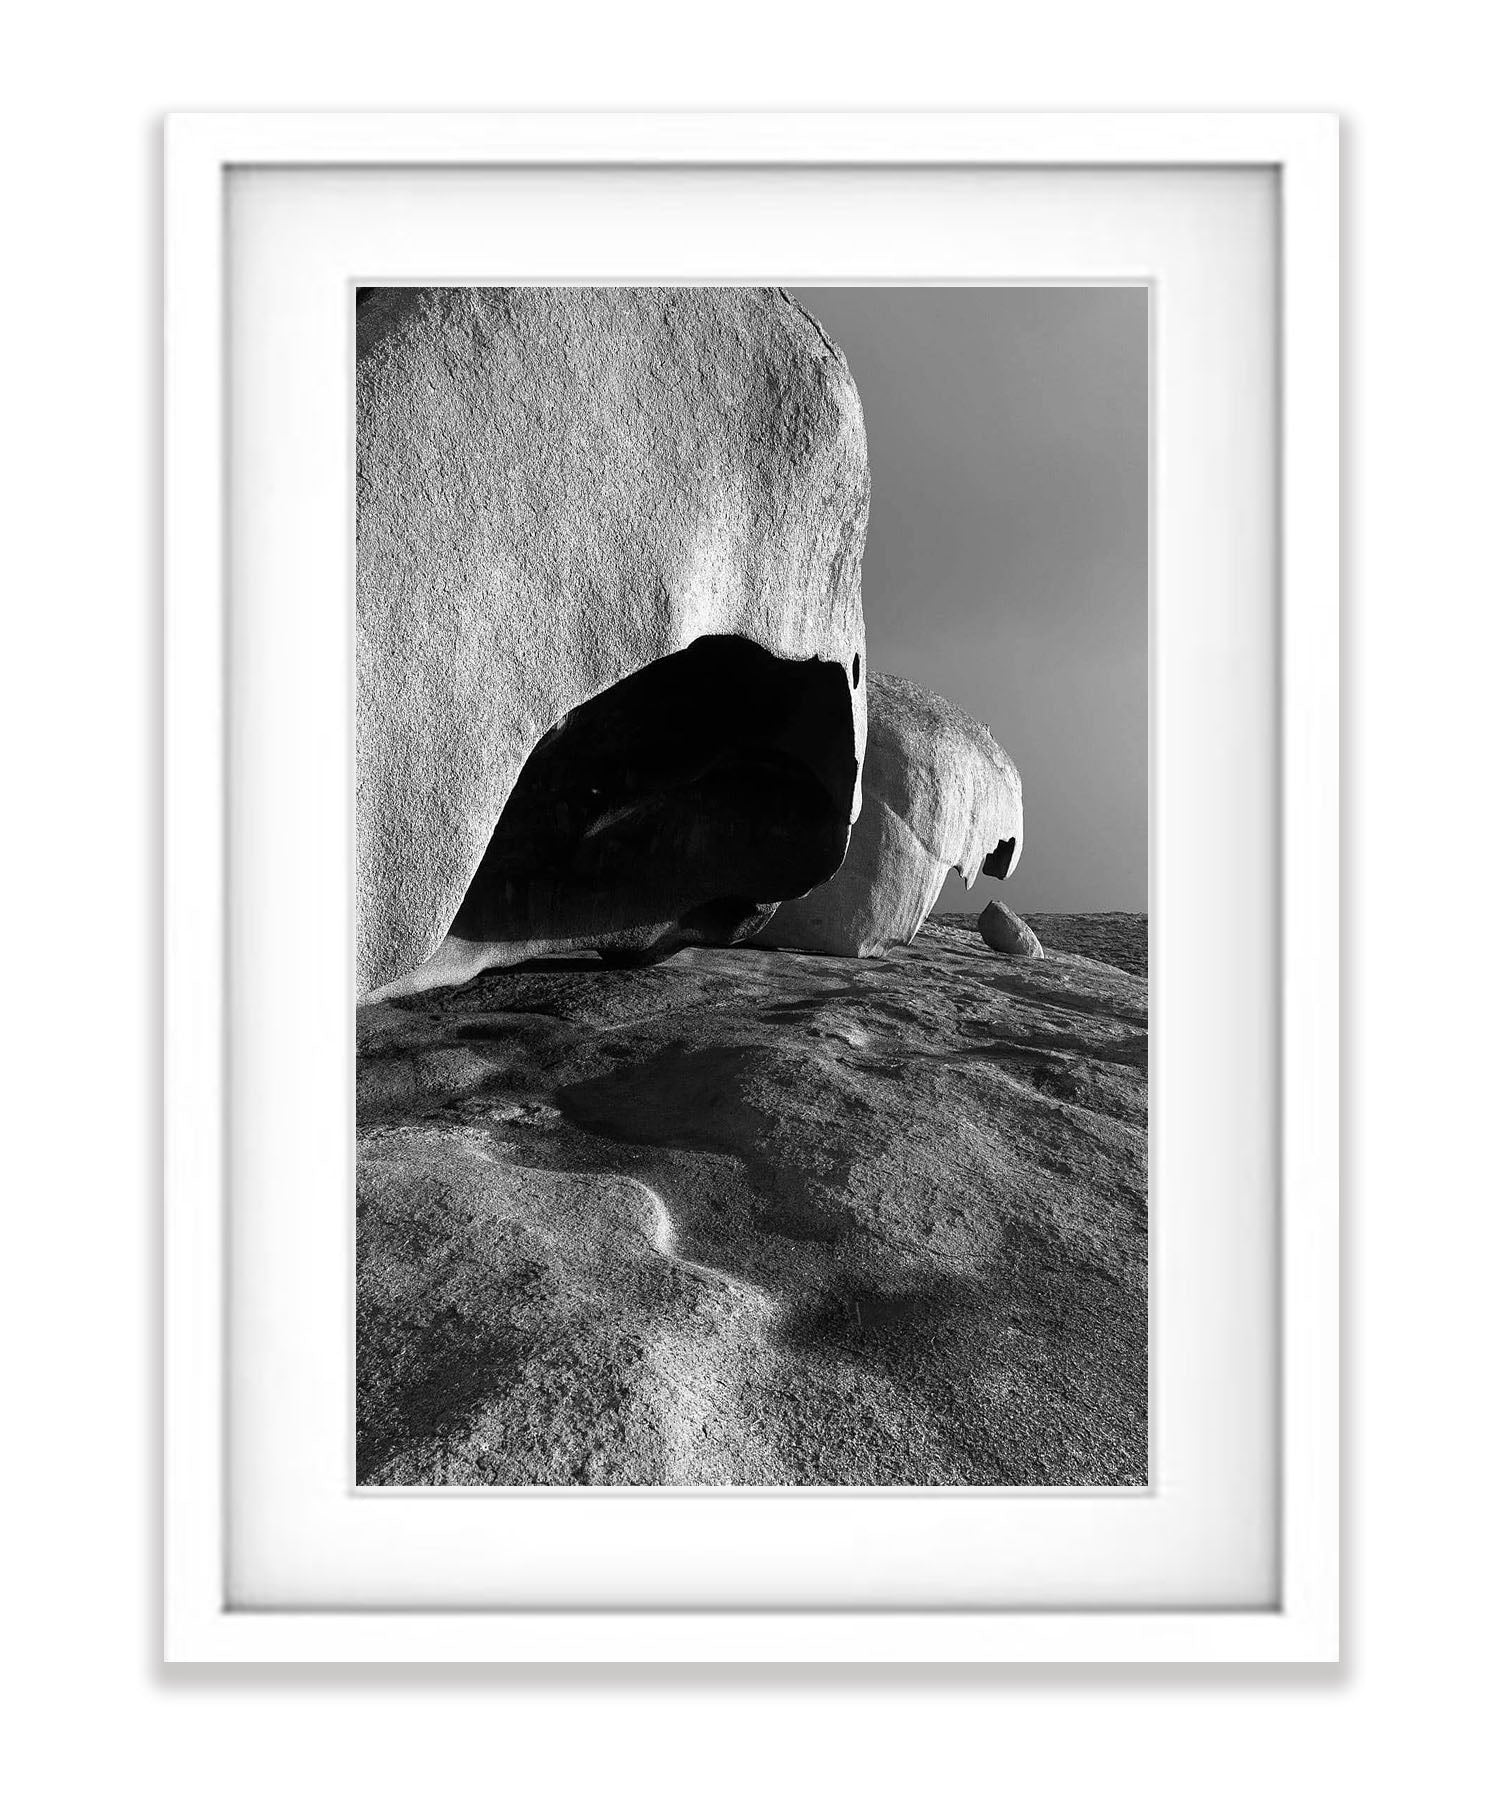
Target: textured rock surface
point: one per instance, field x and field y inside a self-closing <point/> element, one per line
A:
<point x="1008" y="932"/>
<point x="557" y="489"/>
<point x="1120" y="938"/>
<point x="939" y="794"/>
<point x="756" y="1217"/>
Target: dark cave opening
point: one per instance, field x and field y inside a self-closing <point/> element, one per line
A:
<point x="998" y="862"/>
<point x="676" y="807"/>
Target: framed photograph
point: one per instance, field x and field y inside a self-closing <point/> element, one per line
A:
<point x="696" y="647"/>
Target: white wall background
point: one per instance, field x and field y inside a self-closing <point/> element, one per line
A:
<point x="89" y="1711"/>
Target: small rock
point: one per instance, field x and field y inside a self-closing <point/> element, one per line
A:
<point x="1008" y="932"/>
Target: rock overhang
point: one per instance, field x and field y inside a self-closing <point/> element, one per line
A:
<point x="940" y="796"/>
<point x="558" y="489"/>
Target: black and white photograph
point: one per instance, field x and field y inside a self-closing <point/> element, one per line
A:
<point x="718" y="1083"/>
<point x="752" y="854"/>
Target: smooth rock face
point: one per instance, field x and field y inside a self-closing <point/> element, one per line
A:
<point x="755" y="1218"/>
<point x="561" y="494"/>
<point x="939" y="795"/>
<point x="1008" y="932"/>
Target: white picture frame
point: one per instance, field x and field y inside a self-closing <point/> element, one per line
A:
<point x="202" y="1620"/>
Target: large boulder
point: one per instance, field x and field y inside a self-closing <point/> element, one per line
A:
<point x="609" y="632"/>
<point x="939" y="795"/>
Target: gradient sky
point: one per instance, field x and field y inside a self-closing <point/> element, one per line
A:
<point x="1006" y="561"/>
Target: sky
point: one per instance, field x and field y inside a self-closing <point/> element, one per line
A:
<point x="1006" y="563"/>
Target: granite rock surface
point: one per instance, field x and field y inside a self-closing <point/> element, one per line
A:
<point x="757" y="1217"/>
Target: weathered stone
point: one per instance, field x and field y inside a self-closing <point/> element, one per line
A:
<point x="939" y="795"/>
<point x="751" y="1218"/>
<point x="609" y="630"/>
<point x="1008" y="932"/>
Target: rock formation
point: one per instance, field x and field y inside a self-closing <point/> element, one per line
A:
<point x="609" y="633"/>
<point x="750" y="1218"/>
<point x="939" y="794"/>
<point x="1008" y="932"/>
